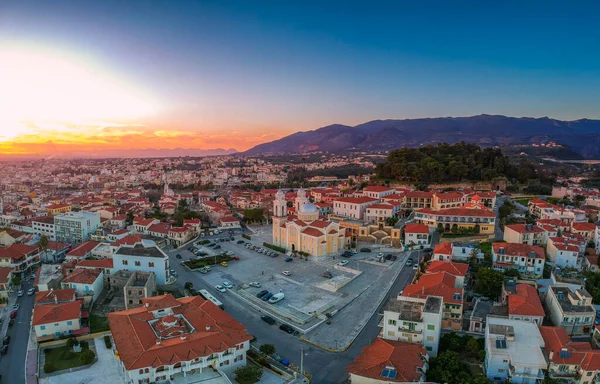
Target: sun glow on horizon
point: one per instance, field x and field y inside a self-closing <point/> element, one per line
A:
<point x="46" y="89"/>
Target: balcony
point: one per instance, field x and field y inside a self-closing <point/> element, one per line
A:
<point x="408" y="330"/>
<point x="513" y="372"/>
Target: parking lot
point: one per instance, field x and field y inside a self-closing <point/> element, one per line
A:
<point x="310" y="298"/>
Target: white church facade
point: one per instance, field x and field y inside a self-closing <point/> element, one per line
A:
<point x="305" y="230"/>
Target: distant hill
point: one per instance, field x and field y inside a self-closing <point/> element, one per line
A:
<point x="581" y="136"/>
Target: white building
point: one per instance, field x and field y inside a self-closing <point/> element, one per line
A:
<point x="175" y="339"/>
<point x="417" y="234"/>
<point x="56" y="319"/>
<point x="571" y="309"/>
<point x="527" y="259"/>
<point x="513" y="351"/>
<point x="414" y="320"/>
<point x="44" y="226"/>
<point x="456" y="252"/>
<point x="75" y="227"/>
<point x="377" y="192"/>
<point x="144" y="256"/>
<point x="87" y="282"/>
<point x="564" y="253"/>
<point x="525" y="234"/>
<point x="352" y="207"/>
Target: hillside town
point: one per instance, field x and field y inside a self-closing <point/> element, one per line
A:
<point x="221" y="270"/>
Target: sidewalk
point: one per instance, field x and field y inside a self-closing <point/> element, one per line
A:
<point x="5" y="313"/>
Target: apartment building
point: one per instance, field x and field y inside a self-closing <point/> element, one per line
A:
<point x="174" y="339"/>
<point x="418" y="199"/>
<point x="378" y="213"/>
<point x="377" y="192"/>
<point x="75" y="227"/>
<point x="564" y="253"/>
<point x="352" y="207"/>
<point x="513" y="351"/>
<point x="455" y="220"/>
<point x="44" y="226"/>
<point x="21" y="258"/>
<point x="569" y="361"/>
<point x="51" y="321"/>
<point x="571" y="309"/>
<point x="143" y="256"/>
<point x="456" y="252"/>
<point x="87" y="283"/>
<point x="525" y="234"/>
<point x="529" y="260"/>
<point x="414" y="320"/>
<point x="56" y="209"/>
<point x="523" y="302"/>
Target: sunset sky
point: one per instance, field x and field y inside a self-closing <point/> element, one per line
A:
<point x="114" y="77"/>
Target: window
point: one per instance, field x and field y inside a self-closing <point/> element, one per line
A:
<point x="125" y="262"/>
<point x="42" y="327"/>
<point x="69" y="322"/>
<point x="137" y="263"/>
<point x="429" y="338"/>
<point x="391" y="322"/>
<point x="430" y="327"/>
<point x="391" y="333"/>
<point x="151" y="264"/>
<point x="429" y="348"/>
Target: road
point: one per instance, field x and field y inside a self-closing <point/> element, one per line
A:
<point x="498" y="233"/>
<point x="325" y="367"/>
<point x="12" y="365"/>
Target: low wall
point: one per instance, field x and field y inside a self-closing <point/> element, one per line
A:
<point x="55" y="343"/>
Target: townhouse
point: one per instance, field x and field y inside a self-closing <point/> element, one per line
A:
<point x="352" y="207"/>
<point x="529" y="260"/>
<point x="571" y="309"/>
<point x="87" y="283"/>
<point x="456" y="252"/>
<point x="417" y="234"/>
<point x="564" y="253"/>
<point x="525" y="234"/>
<point x="51" y="321"/>
<point x="523" y="302"/>
<point x="415" y="320"/>
<point x="379" y="212"/>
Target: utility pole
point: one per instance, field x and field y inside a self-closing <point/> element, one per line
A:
<point x="302" y="361"/>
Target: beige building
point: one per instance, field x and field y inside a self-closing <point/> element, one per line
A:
<point x="306" y="231"/>
<point x="525" y="234"/>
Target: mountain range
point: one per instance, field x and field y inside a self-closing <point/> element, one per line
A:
<point x="582" y="136"/>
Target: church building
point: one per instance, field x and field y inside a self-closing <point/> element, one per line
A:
<point x="306" y="230"/>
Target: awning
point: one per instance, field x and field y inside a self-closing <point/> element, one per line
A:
<point x="85" y="314"/>
<point x="81" y="331"/>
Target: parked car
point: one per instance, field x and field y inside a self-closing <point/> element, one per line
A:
<point x="428" y="250"/>
<point x="236" y="257"/>
<point x="240" y="242"/>
<point x="342" y="263"/>
<point x="286" y="328"/>
<point x="416" y="267"/>
<point x="11" y="322"/>
<point x="327" y="274"/>
<point x="286" y="273"/>
<point x="276" y="298"/>
<point x="227" y="285"/>
<point x="255" y="284"/>
<point x="178" y="256"/>
<point x="220" y="288"/>
<point x="388" y="256"/>
<point x="4" y="350"/>
<point x="30" y="291"/>
<point x="267" y="296"/>
<point x="202" y="270"/>
<point x="288" y="259"/>
<point x="262" y="293"/>
<point x="217" y="246"/>
<point x="20" y="293"/>
<point x="224" y="263"/>
<point x="6" y="340"/>
<point x="365" y="249"/>
<point x="13" y="314"/>
<point x="394" y="257"/>
<point x="268" y="319"/>
<point x="15" y="307"/>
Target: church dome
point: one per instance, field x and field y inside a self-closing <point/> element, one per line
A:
<point x="308" y="208"/>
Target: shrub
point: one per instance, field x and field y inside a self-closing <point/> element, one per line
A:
<point x="84" y="345"/>
<point x="274" y="247"/>
<point x="248" y="374"/>
<point x="107" y="342"/>
<point x="87" y="356"/>
<point x="70" y="343"/>
<point x="49" y="367"/>
<point x="202" y="242"/>
<point x="267" y="349"/>
<point x="247" y="237"/>
<point x="67" y="355"/>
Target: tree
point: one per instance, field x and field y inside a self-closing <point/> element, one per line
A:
<point x="440" y="228"/>
<point x="473" y="347"/>
<point x="43" y="244"/>
<point x="391" y="221"/>
<point x="267" y="349"/>
<point x="448" y="368"/>
<point x="188" y="285"/>
<point x="70" y="343"/>
<point x="248" y="374"/>
<point x="488" y="282"/>
<point x="16" y="280"/>
<point x="87" y="356"/>
<point x="253" y="215"/>
<point x="129" y="218"/>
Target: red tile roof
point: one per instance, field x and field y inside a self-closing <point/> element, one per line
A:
<point x="143" y="222"/>
<point x="515" y="249"/>
<point x="523" y="228"/>
<point x="381" y="206"/>
<point x="439" y="284"/>
<point x="320" y="224"/>
<point x="443" y="249"/>
<point x="52" y="296"/>
<point x="4" y="272"/>
<point x="83" y="249"/>
<point x="416" y="228"/>
<point x="16" y="251"/>
<point x="228" y="219"/>
<point x="83" y="276"/>
<point x="449" y="195"/>
<point x="374" y="358"/>
<point x="120" y="232"/>
<point x="525" y="302"/>
<point x="581" y="353"/>
<point x="584" y="226"/>
<point x="214" y="331"/>
<point x="312" y="232"/>
<point x="455" y="269"/>
<point x="128" y="240"/>
<point x="355" y="200"/>
<point x="159" y="228"/>
<point x="57" y="206"/>
<point x="54" y="313"/>
<point x="419" y="195"/>
<point x="100" y="263"/>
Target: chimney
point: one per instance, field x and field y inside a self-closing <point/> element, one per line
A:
<point x="147" y="305"/>
<point x="550" y="355"/>
<point x="208" y="327"/>
<point x="157" y="341"/>
<point x="182" y="337"/>
<point x="55" y="298"/>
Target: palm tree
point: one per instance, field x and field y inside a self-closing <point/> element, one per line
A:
<point x="43" y="244"/>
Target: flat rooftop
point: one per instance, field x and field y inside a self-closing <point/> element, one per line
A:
<point x="49" y="272"/>
<point x="408" y="310"/>
<point x="140" y="250"/>
<point x="567" y="297"/>
<point x="522" y="341"/>
<point x="433" y="304"/>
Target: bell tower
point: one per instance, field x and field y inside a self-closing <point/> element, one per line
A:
<point x="280" y="205"/>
